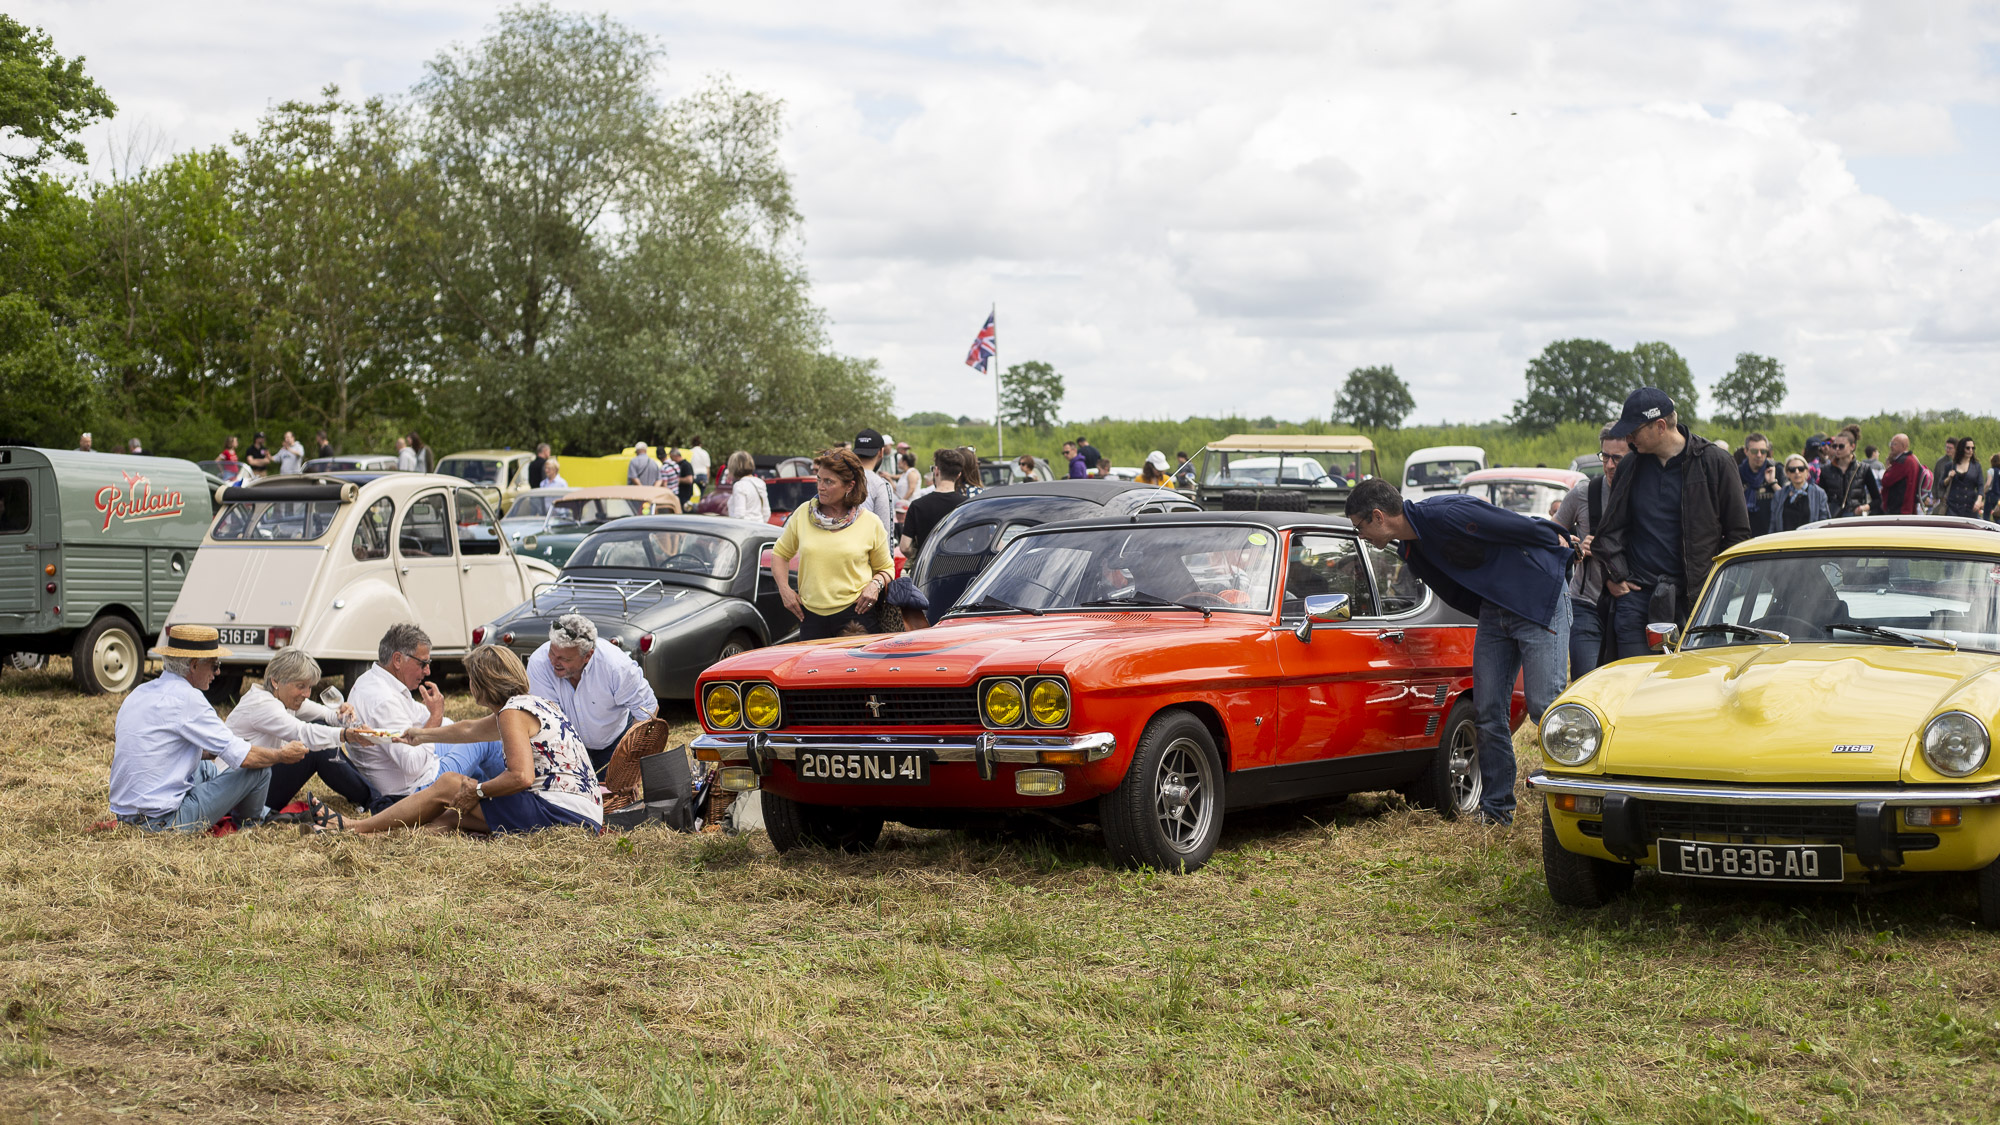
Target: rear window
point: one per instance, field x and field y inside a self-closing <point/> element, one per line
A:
<point x="16" y="512"/>
<point x="467" y="468"/>
<point x="786" y="495"/>
<point x="276" y="521"/>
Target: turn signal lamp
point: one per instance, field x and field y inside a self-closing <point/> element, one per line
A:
<point x="704" y="754"/>
<point x="1571" y="802"/>
<point x="1038" y="783"/>
<point x="1003" y="703"/>
<point x="722" y="707"/>
<point x="736" y="779"/>
<point x="50" y="570"/>
<point x="1048" y="704"/>
<point x="1065" y="758"/>
<point x="760" y="706"/>
<point x="1946" y="817"/>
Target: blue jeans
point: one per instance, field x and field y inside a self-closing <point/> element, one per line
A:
<point x="480" y="761"/>
<point x="1628" y="621"/>
<point x="217" y="793"/>
<point x="1505" y="644"/>
<point x="1586" y="639"/>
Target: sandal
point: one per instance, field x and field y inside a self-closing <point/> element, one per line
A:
<point x="323" y="820"/>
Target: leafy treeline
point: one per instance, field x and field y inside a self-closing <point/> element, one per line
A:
<point x="530" y="245"/>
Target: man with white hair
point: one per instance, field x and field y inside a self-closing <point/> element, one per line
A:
<point x="642" y="470"/>
<point x="603" y="691"/>
<point x="167" y="763"/>
<point x="382" y="701"/>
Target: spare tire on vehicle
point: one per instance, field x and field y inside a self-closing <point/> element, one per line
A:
<point x="1263" y="500"/>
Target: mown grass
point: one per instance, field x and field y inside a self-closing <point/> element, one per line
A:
<point x="1346" y="962"/>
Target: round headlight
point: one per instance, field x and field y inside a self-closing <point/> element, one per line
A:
<point x="722" y="706"/>
<point x="1571" y="734"/>
<point x="1048" y="704"/>
<point x="1955" y="744"/>
<point x="760" y="706"/>
<point x="1003" y="703"/>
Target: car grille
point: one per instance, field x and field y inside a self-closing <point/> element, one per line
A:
<point x="1833" y="823"/>
<point x="905" y="707"/>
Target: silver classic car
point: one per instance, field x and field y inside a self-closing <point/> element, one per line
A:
<point x="676" y="592"/>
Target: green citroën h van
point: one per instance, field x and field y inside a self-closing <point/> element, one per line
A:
<point x="93" y="550"/>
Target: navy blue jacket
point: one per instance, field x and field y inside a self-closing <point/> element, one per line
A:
<point x="1471" y="552"/>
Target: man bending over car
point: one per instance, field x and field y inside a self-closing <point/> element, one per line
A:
<point x="1508" y="571"/>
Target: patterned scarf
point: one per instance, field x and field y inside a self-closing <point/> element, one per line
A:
<point x="828" y="523"/>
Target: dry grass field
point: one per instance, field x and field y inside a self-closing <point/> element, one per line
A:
<point x="1347" y="962"/>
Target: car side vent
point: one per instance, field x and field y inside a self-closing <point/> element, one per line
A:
<point x="1430" y="726"/>
<point x="1442" y="691"/>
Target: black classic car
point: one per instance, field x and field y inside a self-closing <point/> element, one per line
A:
<point x="966" y="540"/>
<point x="676" y="592"/>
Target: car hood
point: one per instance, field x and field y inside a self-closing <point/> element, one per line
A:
<point x="965" y="649"/>
<point x="1777" y="713"/>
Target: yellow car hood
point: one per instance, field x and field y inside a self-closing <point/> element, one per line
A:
<point x="1775" y="713"/>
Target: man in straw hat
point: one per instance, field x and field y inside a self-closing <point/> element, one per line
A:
<point x="167" y="765"/>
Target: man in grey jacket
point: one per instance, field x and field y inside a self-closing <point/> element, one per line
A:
<point x="1579" y="514"/>
<point x="1677" y="503"/>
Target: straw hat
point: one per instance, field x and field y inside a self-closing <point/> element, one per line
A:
<point x="193" y="641"/>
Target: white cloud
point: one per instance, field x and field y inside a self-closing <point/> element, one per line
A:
<point x="1197" y="208"/>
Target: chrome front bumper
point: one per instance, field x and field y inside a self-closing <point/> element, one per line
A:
<point x="1719" y="793"/>
<point x="759" y="748"/>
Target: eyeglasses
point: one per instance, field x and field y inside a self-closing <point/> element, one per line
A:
<point x="1611" y="458"/>
<point x="1759" y="450"/>
<point x="412" y="657"/>
<point x="1795" y="468"/>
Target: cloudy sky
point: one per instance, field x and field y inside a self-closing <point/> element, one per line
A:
<point x="1209" y="208"/>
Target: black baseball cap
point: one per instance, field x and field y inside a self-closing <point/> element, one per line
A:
<point x="867" y="443"/>
<point x="1647" y="404"/>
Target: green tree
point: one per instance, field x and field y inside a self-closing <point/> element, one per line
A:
<point x="1752" y="391"/>
<point x="1373" y="398"/>
<point x="1573" y="379"/>
<point x="1031" y="394"/>
<point x="1658" y="365"/>
<point x="44" y="98"/>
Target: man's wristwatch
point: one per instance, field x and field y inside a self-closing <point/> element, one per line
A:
<point x="479" y="790"/>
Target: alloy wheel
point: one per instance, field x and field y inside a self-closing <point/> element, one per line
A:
<point x="1184" y="792"/>
<point x="1466" y="787"/>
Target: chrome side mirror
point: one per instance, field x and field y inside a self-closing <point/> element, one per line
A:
<point x="1323" y="609"/>
<point x="1661" y="633"/>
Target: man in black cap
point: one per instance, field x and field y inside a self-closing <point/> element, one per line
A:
<point x="1676" y="503"/>
<point x="868" y="447"/>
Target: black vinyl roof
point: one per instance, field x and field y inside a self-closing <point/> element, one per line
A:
<point x="737" y="531"/>
<point x="1276" y="521"/>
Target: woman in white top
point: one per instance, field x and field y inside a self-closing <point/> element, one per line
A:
<point x="279" y="711"/>
<point x="748" y="499"/>
<point x="548" y="782"/>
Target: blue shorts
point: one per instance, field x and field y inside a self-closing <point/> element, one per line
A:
<point x="525" y="812"/>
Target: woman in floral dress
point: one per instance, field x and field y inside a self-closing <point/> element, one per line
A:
<point x="548" y="782"/>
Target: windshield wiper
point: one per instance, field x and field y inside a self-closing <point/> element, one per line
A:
<point x="1904" y="635"/>
<point x="1742" y="631"/>
<point x="1141" y="597"/>
<point x="991" y="602"/>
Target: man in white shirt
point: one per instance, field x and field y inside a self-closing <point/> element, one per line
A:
<point x="382" y="701"/>
<point x="603" y="691"/>
<point x="642" y="470"/>
<point x="167" y="763"/>
<point x="698" y="457"/>
<point x="291" y="455"/>
<point x="406" y="458"/>
<point x="868" y="447"/>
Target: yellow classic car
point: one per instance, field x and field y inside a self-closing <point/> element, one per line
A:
<point x="1824" y="719"/>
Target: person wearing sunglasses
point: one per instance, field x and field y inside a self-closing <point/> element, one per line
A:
<point x="1800" y="501"/>
<point x="382" y="701"/>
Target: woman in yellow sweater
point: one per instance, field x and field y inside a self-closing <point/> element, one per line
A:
<point x="841" y="548"/>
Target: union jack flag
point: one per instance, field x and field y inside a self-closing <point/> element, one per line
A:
<point x="984" y="346"/>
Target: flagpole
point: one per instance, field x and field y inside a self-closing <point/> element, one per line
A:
<point x="999" y="435"/>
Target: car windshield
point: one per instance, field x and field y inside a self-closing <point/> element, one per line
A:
<point x="1127" y="567"/>
<point x="786" y="495"/>
<point x="684" y="552"/>
<point x="571" y="513"/>
<point x="1437" y="474"/>
<point x="1527" y="497"/>
<point x="531" y="505"/>
<point x="1283" y="470"/>
<point x="1852" y="599"/>
<point x="475" y="469"/>
<point x="275" y="521"/>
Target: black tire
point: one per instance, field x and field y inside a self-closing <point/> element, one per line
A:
<point x="108" y="657"/>
<point x="735" y="643"/>
<point x="1988" y="879"/>
<point x="1580" y="880"/>
<point x="1167" y="813"/>
<point x="1451" y="784"/>
<point x="1263" y="500"/>
<point x="793" y="825"/>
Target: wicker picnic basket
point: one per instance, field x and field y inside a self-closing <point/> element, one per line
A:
<point x="622" y="776"/>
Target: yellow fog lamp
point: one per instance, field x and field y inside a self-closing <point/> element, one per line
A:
<point x="1003" y="704"/>
<point x="760" y="706"/>
<point x="722" y="706"/>
<point x="1048" y="703"/>
<point x="736" y="779"/>
<point x="1038" y="783"/>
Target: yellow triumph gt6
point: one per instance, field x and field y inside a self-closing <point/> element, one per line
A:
<point x="1826" y="718"/>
